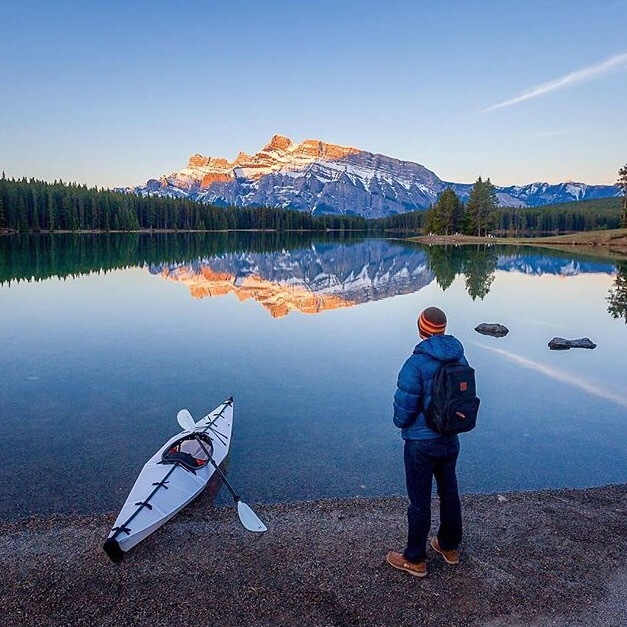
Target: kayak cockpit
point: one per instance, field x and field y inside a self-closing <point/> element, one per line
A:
<point x="188" y="451"/>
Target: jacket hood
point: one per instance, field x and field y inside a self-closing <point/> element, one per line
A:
<point x="444" y="348"/>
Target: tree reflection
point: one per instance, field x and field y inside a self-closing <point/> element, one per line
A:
<point x="479" y="269"/>
<point x="477" y="263"/>
<point x="617" y="299"/>
<point x="41" y="256"/>
<point x="446" y="262"/>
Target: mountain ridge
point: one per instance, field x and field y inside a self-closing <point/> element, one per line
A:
<point x="325" y="178"/>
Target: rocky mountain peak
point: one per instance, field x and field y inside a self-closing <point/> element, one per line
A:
<point x="278" y="143"/>
<point x="242" y="158"/>
<point x="317" y="149"/>
<point x="197" y="161"/>
<point x="320" y="177"/>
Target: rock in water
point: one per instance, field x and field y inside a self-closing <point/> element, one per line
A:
<point x="560" y="344"/>
<point x="495" y="330"/>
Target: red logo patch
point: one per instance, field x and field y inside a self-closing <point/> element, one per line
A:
<point x="463" y="386"/>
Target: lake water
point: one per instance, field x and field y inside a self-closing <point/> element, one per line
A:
<point x="104" y="338"/>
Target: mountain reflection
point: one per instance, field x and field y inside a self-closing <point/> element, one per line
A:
<point x="292" y="272"/>
<point x="310" y="280"/>
<point x="329" y="276"/>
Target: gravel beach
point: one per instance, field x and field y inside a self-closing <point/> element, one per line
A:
<point x="528" y="558"/>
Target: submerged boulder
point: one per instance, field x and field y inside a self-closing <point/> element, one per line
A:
<point x="495" y="329"/>
<point x="560" y="344"/>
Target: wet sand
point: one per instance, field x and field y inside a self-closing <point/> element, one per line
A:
<point x="532" y="558"/>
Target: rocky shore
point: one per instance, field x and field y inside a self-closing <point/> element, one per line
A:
<point x="528" y="558"/>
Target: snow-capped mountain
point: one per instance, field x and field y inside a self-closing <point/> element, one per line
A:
<point x="323" y="178"/>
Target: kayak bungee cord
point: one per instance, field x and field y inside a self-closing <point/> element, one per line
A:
<point x="147" y="506"/>
<point x="226" y="404"/>
<point x="160" y="484"/>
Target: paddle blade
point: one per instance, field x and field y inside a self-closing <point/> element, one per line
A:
<point x="249" y="519"/>
<point x="184" y="418"/>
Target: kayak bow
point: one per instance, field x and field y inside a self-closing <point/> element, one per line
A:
<point x="173" y="477"/>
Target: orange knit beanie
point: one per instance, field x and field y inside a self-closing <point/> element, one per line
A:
<point x="432" y="321"/>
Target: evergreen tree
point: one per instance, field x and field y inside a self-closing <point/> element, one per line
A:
<point x="31" y="205"/>
<point x="481" y="207"/>
<point x="450" y="211"/>
<point x="20" y="208"/>
<point x="622" y="184"/>
<point x="432" y="222"/>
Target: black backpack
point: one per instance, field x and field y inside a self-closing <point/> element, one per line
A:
<point x="454" y="403"/>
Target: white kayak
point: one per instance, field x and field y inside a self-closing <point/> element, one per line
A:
<point x="173" y="477"/>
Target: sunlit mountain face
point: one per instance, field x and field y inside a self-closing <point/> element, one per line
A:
<point x="323" y="178"/>
<point x="325" y="277"/>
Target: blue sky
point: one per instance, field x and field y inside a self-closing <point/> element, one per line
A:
<point x="115" y="93"/>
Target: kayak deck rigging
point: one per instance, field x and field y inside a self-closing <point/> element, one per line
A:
<point x="191" y="452"/>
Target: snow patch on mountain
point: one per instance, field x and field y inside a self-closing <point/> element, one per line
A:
<point x="323" y="178"/>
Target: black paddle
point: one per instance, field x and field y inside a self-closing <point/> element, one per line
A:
<point x="247" y="517"/>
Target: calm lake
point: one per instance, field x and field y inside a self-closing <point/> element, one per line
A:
<point x="105" y="337"/>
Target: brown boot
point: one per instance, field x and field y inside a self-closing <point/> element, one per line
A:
<point x="450" y="557"/>
<point x="397" y="560"/>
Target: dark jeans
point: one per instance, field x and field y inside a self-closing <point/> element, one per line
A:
<point x="425" y="459"/>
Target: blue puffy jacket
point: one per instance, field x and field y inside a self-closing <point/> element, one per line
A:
<point x="415" y="384"/>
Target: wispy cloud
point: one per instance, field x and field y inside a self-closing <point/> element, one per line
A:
<point x="565" y="131"/>
<point x="560" y="375"/>
<point x="568" y="80"/>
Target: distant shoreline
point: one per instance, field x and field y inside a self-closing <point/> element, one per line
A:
<point x="613" y="237"/>
<point x="607" y="238"/>
<point x="175" y="231"/>
<point x="609" y="244"/>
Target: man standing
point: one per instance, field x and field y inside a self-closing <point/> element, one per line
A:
<point x="427" y="454"/>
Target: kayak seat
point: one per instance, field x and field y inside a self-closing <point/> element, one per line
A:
<point x="183" y="458"/>
<point x="189" y="452"/>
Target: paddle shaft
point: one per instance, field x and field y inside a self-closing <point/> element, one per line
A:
<point x="217" y="469"/>
<point x="247" y="517"/>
